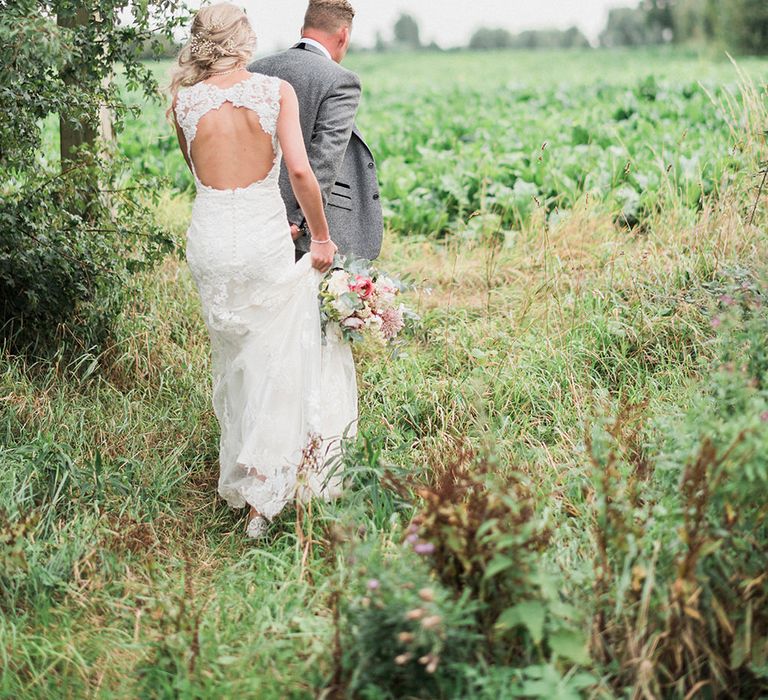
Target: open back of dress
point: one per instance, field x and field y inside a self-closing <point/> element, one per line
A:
<point x="231" y="132"/>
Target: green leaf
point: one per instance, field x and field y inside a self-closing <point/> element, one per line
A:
<point x="529" y="614"/>
<point x="571" y="645"/>
<point x="498" y="564"/>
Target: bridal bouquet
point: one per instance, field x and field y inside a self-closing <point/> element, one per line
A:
<point x="363" y="301"/>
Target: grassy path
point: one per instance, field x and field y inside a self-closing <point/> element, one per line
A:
<point x="601" y="377"/>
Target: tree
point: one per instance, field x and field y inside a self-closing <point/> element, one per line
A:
<point x="741" y="25"/>
<point x="485" y="39"/>
<point x="697" y="21"/>
<point x="72" y="231"/>
<point x="407" y="31"/>
<point x="745" y="25"/>
<point x="659" y="20"/>
<point x="574" y="38"/>
<point x="626" y="27"/>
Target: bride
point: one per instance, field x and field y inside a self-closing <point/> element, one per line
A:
<point x="282" y="394"/>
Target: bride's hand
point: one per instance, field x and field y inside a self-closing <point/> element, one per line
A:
<point x="322" y="255"/>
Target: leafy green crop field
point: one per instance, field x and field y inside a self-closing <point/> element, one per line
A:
<point x="559" y="488"/>
<point x="508" y="133"/>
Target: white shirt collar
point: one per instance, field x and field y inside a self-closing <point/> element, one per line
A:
<point x="317" y="44"/>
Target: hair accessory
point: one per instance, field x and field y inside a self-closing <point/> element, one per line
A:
<point x="201" y="46"/>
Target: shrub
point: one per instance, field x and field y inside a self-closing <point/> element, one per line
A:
<point x="681" y="592"/>
<point x="71" y="233"/>
<point x="403" y="633"/>
<point x="69" y="252"/>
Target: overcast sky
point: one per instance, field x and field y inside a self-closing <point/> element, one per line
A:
<point x="448" y="22"/>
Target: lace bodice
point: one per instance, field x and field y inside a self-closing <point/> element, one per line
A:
<point x="260" y="93"/>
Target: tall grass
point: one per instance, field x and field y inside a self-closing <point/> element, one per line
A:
<point x="586" y="403"/>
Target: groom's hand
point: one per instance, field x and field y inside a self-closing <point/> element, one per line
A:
<point x="295" y="232"/>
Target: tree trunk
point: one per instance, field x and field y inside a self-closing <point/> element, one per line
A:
<point x="75" y="134"/>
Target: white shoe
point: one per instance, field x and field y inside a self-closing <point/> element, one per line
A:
<point x="257" y="528"/>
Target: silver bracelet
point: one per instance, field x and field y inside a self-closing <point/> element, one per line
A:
<point x="313" y="240"/>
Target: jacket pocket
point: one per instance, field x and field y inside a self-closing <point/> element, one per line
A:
<point x="340" y="198"/>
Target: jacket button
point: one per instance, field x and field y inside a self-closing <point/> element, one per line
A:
<point x="370" y="165"/>
<point x="376" y="196"/>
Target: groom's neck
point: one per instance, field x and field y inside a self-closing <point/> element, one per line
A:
<point x="329" y="41"/>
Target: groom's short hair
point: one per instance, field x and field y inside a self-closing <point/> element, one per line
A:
<point x="328" y="15"/>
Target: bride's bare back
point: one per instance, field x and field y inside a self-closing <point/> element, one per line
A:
<point x="231" y="149"/>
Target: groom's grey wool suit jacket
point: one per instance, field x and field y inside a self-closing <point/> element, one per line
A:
<point x="328" y="97"/>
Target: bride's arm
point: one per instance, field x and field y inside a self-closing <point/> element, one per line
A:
<point x="303" y="180"/>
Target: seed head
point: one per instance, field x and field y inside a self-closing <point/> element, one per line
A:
<point x="415" y="614"/>
<point x="427" y="595"/>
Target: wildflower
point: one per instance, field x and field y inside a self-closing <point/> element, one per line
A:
<point x="430" y="661"/>
<point x="427" y="594"/>
<point x="716" y="323"/>
<point x="726" y="299"/>
<point x="764" y="416"/>
<point x="405" y="637"/>
<point x="424" y="548"/>
<point x="429" y="623"/>
<point x="403" y="659"/>
<point x="415" y="614"/>
<point x="373" y="584"/>
<point x="412" y="538"/>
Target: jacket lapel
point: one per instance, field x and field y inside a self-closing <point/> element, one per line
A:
<point x="356" y="133"/>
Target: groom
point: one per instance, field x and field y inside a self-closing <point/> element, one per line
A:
<point x="328" y="98"/>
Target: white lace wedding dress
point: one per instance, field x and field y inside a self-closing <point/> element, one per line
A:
<point x="282" y="397"/>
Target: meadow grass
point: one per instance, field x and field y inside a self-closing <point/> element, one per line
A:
<point x="126" y="577"/>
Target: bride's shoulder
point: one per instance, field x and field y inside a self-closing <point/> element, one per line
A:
<point x="265" y="79"/>
<point x="185" y="92"/>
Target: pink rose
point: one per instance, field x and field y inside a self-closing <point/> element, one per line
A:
<point x="363" y="286"/>
<point x="353" y="322"/>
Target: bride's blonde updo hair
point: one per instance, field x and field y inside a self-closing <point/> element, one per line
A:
<point x="221" y="39"/>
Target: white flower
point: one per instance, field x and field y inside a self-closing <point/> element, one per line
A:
<point x="338" y="283"/>
<point x="343" y="307"/>
<point x="374" y="321"/>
